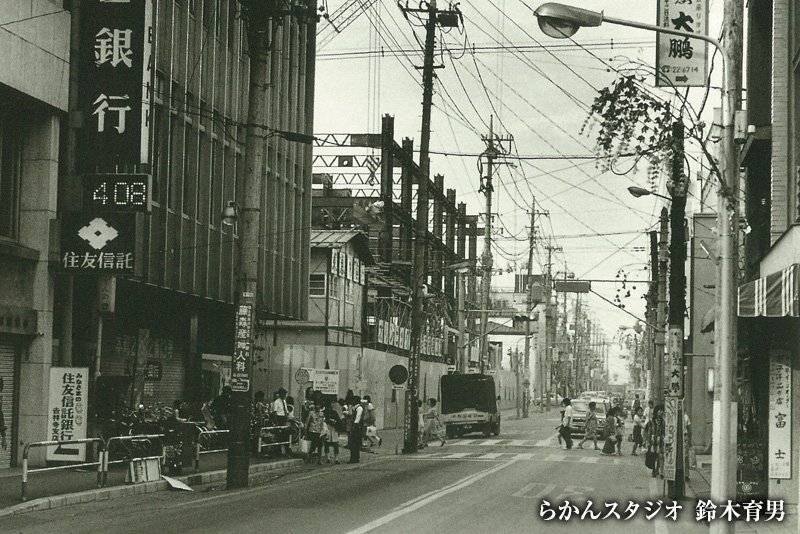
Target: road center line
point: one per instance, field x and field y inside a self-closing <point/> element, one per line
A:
<point x="418" y="503"/>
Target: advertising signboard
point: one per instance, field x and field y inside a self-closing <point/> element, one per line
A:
<point x="66" y="412"/>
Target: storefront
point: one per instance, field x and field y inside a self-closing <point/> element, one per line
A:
<point x="9" y="364"/>
<point x="769" y="364"/>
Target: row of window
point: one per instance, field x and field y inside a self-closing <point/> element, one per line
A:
<point x="318" y="286"/>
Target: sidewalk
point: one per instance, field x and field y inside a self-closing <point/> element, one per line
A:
<point x="700" y="485"/>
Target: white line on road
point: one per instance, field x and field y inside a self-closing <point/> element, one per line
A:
<point x="490" y="455"/>
<point x="418" y="503"/>
<point x="546" y="442"/>
<point x="458" y="455"/>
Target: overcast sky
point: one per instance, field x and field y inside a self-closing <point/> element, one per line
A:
<point x="539" y="90"/>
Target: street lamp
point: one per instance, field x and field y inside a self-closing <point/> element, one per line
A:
<point x="642" y="192"/>
<point x="562" y="21"/>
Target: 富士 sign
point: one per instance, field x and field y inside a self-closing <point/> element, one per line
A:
<point x="116" y="81"/>
<point x="780" y="415"/>
<point x="66" y="412"/>
<point x="681" y="61"/>
<point x="98" y="242"/>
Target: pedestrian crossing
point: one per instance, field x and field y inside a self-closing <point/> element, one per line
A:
<point x="521" y="456"/>
<point x="523" y="443"/>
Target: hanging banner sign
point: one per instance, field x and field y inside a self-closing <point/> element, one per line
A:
<point x="116" y="81"/>
<point x="681" y="61"/>
<point x="675" y="354"/>
<point x="670" y="435"/>
<point x="240" y="371"/>
<point x="66" y="412"/>
<point x="780" y="415"/>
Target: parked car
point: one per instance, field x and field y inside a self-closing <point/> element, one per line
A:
<point x="580" y="407"/>
<point x="555" y="400"/>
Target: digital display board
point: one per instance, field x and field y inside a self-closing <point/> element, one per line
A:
<point x="117" y="192"/>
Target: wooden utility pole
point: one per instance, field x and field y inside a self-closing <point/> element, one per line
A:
<point x="529" y="306"/>
<point x="661" y="309"/>
<point x="550" y="314"/>
<point x="486" y="258"/>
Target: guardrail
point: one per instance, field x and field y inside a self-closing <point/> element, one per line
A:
<point x="145" y="438"/>
<point x="199" y="446"/>
<point x="285" y="428"/>
<point x="29" y="446"/>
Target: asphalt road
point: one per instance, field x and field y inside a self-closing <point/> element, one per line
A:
<point x="470" y="485"/>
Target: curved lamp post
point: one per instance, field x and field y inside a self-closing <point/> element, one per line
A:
<point x="562" y="21"/>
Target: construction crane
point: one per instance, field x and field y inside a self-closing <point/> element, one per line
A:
<point x="340" y="19"/>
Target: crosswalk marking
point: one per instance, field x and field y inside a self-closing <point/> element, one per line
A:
<point x="517" y="443"/>
<point x="505" y="456"/>
<point x="526" y="443"/>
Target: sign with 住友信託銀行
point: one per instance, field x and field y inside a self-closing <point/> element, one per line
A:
<point x="780" y="415"/>
<point x="98" y="243"/>
<point x="682" y="61"/>
<point x="66" y="412"/>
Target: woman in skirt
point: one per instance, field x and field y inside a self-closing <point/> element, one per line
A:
<point x="638" y="436"/>
<point x="609" y="447"/>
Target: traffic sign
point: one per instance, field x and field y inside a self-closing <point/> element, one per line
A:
<point x="302" y="376"/>
<point x="398" y="374"/>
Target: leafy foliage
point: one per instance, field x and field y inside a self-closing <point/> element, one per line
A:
<point x="632" y="122"/>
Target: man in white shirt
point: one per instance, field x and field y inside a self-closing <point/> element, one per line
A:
<point x="354" y="438"/>
<point x="281" y="413"/>
<point x="566" y="430"/>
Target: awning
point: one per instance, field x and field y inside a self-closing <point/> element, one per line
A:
<point x="775" y="295"/>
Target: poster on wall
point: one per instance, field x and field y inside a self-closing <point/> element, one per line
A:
<point x="326" y="381"/>
<point x="66" y="412"/>
<point x="670" y="423"/>
<point x="780" y="415"/>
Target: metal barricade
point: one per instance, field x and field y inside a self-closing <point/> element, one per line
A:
<point x="285" y="428"/>
<point x="29" y="446"/>
<point x="119" y="439"/>
<point x="199" y="445"/>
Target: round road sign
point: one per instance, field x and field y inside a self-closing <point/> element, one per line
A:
<point x="302" y="376"/>
<point x="398" y="374"/>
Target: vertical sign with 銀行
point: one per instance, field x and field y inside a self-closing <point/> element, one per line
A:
<point x="681" y="61"/>
<point x="66" y="412"/>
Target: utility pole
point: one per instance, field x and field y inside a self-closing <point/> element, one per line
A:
<point x="575" y="354"/>
<point x="529" y="305"/>
<point x="650" y="315"/>
<point x="661" y="309"/>
<point x="238" y="469"/>
<point x="724" y="438"/>
<point x="486" y="258"/>
<point x="516" y="361"/>
<point x="418" y="275"/>
<point x="549" y="323"/>
<point x="677" y="301"/>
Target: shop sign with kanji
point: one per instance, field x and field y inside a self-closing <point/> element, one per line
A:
<point x="240" y="370"/>
<point x="681" y="61"/>
<point x="98" y="243"/>
<point x="116" y="81"/>
<point x="675" y="355"/>
<point x="780" y="415"/>
<point x="66" y="412"/>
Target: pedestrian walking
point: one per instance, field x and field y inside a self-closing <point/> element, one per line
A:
<point x="371" y="422"/>
<point x="590" y="427"/>
<point x="316" y="431"/>
<point x="638" y="436"/>
<point x="433" y="425"/>
<point x="560" y="424"/>
<point x="357" y="431"/>
<point x="280" y="415"/>
<point x="620" y="430"/>
<point x="335" y="425"/>
<point x="566" y="423"/>
<point x="637" y="403"/>
<point x="610" y="433"/>
<point x="655" y="438"/>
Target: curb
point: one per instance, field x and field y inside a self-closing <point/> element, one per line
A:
<point x="115" y="492"/>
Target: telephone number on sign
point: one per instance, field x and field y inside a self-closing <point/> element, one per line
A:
<point x="672" y="69"/>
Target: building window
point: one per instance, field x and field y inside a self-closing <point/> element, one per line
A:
<point x="10" y="176"/>
<point x="334" y="289"/>
<point x="349" y="291"/>
<point x="316" y="284"/>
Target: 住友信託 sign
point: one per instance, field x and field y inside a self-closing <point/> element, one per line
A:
<point x="98" y="242"/>
<point x="66" y="412"/>
<point x="780" y="415"/>
<point x="682" y="61"/>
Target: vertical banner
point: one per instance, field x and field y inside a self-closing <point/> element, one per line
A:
<point x="780" y="415"/>
<point x="116" y="81"/>
<point x="675" y="355"/>
<point x="240" y="371"/>
<point x="680" y="61"/>
<point x="670" y="435"/>
<point x="66" y="412"/>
